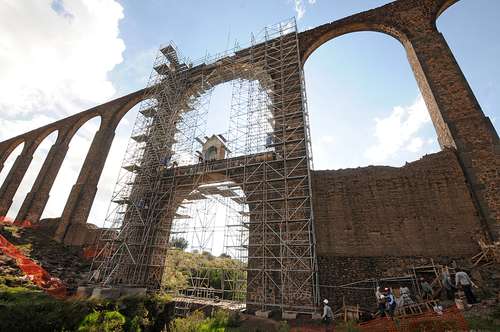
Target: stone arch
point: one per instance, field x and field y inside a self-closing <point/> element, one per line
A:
<point x="74" y="126"/>
<point x="45" y="133"/>
<point x="9" y="149"/>
<point x="442" y="7"/>
<point x="44" y="140"/>
<point x="111" y="171"/>
<point x="313" y="39"/>
<point x="68" y="136"/>
<point x="111" y="118"/>
<point x="8" y="155"/>
<point x="72" y="228"/>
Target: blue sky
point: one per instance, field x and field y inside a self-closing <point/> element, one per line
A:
<point x="61" y="57"/>
<point x="351" y="81"/>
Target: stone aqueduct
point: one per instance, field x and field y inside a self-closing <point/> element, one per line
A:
<point x="466" y="173"/>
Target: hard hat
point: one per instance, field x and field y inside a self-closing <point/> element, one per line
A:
<point x="325" y="301"/>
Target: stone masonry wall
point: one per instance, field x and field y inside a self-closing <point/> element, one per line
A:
<point x="377" y="221"/>
<point x="423" y="208"/>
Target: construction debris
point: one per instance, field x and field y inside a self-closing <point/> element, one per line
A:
<point x="490" y="254"/>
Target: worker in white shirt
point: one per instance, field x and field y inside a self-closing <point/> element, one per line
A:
<point x="327" y="316"/>
<point x="380" y="301"/>
<point x="463" y="281"/>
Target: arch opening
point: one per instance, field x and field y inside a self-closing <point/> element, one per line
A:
<point x="68" y="173"/>
<point x="10" y="161"/>
<point x="102" y="204"/>
<point x="208" y="252"/>
<point x="227" y="120"/>
<point x="31" y="174"/>
<point x="363" y="82"/>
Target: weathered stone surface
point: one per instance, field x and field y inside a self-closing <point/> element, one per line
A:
<point x="421" y="209"/>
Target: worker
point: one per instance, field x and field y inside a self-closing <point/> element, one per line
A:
<point x="380" y="302"/>
<point x="390" y="302"/>
<point x="327" y="316"/>
<point x="405" y="298"/>
<point x="426" y="289"/>
<point x="463" y="281"/>
<point x="447" y="284"/>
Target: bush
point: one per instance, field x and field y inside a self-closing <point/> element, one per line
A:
<point x="234" y="319"/>
<point x="197" y="322"/>
<point x="23" y="309"/>
<point x="283" y="327"/>
<point x="220" y="319"/>
<point x="191" y="323"/>
<point x="105" y="321"/>
<point x="179" y="243"/>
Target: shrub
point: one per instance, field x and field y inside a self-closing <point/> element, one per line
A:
<point x="105" y="321"/>
<point x="23" y="309"/>
<point x="234" y="319"/>
<point x="283" y="327"/>
<point x="191" y="323"/>
<point x="220" y="319"/>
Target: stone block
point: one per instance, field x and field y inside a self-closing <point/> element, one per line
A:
<point x="263" y="313"/>
<point x="287" y="315"/>
<point x="133" y="291"/>
<point x="316" y="316"/>
<point x="106" y="293"/>
<point x="84" y="291"/>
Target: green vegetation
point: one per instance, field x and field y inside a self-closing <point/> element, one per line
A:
<point x="483" y="322"/>
<point x="25" y="309"/>
<point x="220" y="321"/>
<point x="181" y="265"/>
<point x="102" y="321"/>
<point x="179" y="243"/>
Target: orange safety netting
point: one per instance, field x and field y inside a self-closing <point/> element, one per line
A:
<point x="451" y="319"/>
<point x="89" y="252"/>
<point x="23" y="223"/>
<point x="35" y="272"/>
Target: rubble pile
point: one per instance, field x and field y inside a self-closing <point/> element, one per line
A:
<point x="58" y="260"/>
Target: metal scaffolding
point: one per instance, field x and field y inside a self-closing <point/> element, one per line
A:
<point x="263" y="179"/>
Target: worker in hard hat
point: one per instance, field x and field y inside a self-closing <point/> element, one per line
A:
<point x="390" y="301"/>
<point x="327" y="316"/>
<point x="380" y="301"/>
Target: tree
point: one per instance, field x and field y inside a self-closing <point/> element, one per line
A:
<point x="179" y="243"/>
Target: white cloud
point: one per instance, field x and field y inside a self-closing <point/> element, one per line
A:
<point x="56" y="61"/>
<point x="415" y="144"/>
<point x="55" y="57"/>
<point x="300" y="9"/>
<point x="399" y="131"/>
